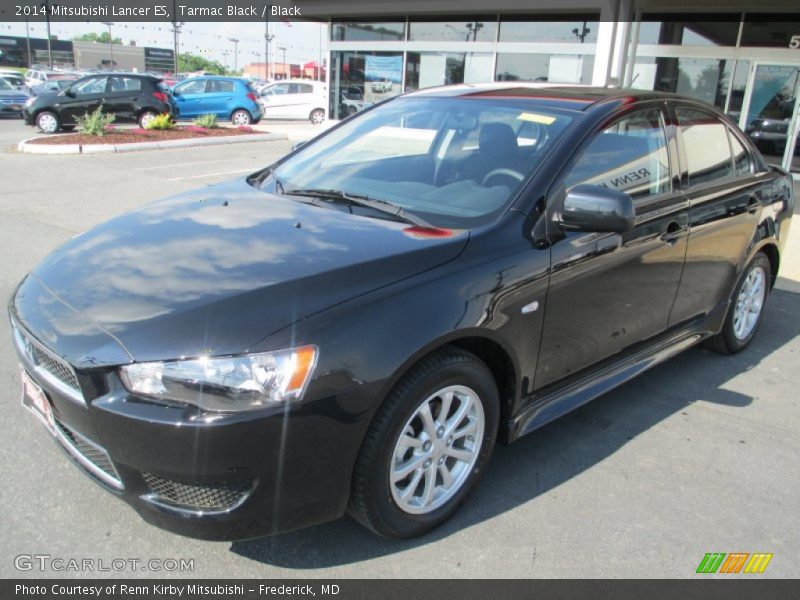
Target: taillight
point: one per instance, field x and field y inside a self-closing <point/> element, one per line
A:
<point x="160" y="96"/>
<point x="252" y="96"/>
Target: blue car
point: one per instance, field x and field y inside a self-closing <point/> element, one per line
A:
<point x="226" y="97"/>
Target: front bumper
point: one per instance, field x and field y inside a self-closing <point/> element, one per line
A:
<point x="203" y="475"/>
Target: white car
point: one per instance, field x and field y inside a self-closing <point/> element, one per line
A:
<point x="295" y="99"/>
<point x="381" y="87"/>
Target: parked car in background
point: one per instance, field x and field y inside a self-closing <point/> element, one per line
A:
<point x="295" y="99"/>
<point x="229" y="98"/>
<point x="354" y="327"/>
<point x="35" y="77"/>
<point x="16" y="81"/>
<point x="53" y="85"/>
<point x="131" y="97"/>
<point x="770" y="135"/>
<point x="12" y="100"/>
<point x="349" y="105"/>
<point x="381" y="87"/>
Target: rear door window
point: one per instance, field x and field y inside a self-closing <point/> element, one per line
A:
<point x="121" y="83"/>
<point x="192" y="87"/>
<point x="630" y="156"/>
<point x="705" y="141"/>
<point x="742" y="163"/>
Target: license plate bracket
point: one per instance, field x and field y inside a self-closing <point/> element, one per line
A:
<point x="36" y="401"/>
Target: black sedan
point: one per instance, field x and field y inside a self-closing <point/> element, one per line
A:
<point x="354" y="328"/>
<point x="131" y="97"/>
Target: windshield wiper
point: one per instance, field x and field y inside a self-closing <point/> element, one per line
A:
<point x="383" y="206"/>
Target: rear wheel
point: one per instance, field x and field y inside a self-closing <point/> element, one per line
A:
<point x="146" y="118"/>
<point x="317" y="116"/>
<point x="427" y="446"/>
<point x="747" y="307"/>
<point x="241" y="117"/>
<point x="48" y="121"/>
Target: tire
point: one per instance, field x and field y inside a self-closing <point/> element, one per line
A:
<point x="48" y="122"/>
<point x="377" y="499"/>
<point x="241" y="117"/>
<point x="317" y="116"/>
<point x="742" y="322"/>
<point x="145" y="118"/>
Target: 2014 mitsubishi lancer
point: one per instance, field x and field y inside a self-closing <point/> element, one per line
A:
<point x="354" y="327"/>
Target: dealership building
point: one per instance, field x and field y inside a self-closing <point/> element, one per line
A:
<point x="744" y="63"/>
<point x="88" y="55"/>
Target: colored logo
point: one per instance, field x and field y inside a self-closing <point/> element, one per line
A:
<point x="735" y="562"/>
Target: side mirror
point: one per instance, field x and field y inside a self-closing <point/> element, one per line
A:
<point x="69" y="92"/>
<point x="596" y="208"/>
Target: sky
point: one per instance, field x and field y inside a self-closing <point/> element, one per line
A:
<point x="301" y="40"/>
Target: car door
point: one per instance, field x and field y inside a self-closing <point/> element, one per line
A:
<point x="122" y="96"/>
<point x="84" y="96"/>
<point x="301" y="100"/>
<point x="189" y="97"/>
<point x="219" y="97"/>
<point x="725" y="196"/>
<point x="608" y="291"/>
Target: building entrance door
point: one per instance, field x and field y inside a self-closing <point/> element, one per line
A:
<point x="770" y="112"/>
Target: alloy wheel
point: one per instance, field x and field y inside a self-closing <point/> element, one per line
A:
<point x="240" y="117"/>
<point x="749" y="303"/>
<point x="437" y="449"/>
<point x="47" y="123"/>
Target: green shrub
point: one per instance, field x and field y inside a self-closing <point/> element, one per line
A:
<point x="161" y="122"/>
<point x="95" y="123"/>
<point x="206" y="121"/>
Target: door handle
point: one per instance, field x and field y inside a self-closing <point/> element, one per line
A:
<point x="673" y="232"/>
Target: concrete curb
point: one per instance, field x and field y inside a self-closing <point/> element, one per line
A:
<point x="27" y="147"/>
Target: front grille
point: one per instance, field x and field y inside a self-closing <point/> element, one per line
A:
<point x="48" y="365"/>
<point x="92" y="457"/>
<point x="56" y="367"/>
<point x="196" y="497"/>
<point x="17" y="100"/>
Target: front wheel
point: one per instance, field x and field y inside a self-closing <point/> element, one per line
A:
<point x="241" y="117"/>
<point x="428" y="445"/>
<point x="48" y="122"/>
<point x="747" y="307"/>
<point x="317" y="116"/>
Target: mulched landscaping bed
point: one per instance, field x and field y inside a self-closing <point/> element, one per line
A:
<point x="129" y="136"/>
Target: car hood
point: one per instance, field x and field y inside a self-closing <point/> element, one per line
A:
<point x="213" y="271"/>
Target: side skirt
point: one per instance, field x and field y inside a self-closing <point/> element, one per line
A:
<point x="547" y="406"/>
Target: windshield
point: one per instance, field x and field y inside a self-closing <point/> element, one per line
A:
<point x="454" y="162"/>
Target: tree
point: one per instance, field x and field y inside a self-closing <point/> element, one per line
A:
<point x="189" y="63"/>
<point x="100" y="38"/>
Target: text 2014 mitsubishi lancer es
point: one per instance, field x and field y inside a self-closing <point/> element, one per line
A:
<point x="353" y="328"/>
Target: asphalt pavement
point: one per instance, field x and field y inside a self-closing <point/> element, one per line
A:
<point x="698" y="455"/>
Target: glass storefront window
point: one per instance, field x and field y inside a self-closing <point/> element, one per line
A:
<point x="553" y="68"/>
<point x="354" y="31"/>
<point x="721" y="31"/>
<point x="428" y="69"/>
<point x="706" y="79"/>
<point x="738" y="85"/>
<point x="452" y="31"/>
<point x="573" y="31"/>
<point x="771" y="30"/>
<point x="360" y="79"/>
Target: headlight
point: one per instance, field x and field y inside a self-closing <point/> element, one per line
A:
<point x="30" y="100"/>
<point x="230" y="384"/>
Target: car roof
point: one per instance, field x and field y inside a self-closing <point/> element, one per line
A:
<point x="570" y="97"/>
